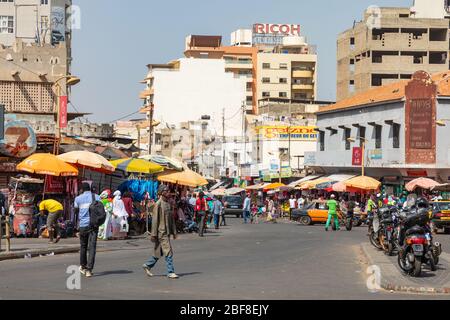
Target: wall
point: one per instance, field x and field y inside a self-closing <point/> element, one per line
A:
<point x="200" y="87"/>
<point x="430" y="9"/>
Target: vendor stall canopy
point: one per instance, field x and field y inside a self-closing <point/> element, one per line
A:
<point x="164" y="162"/>
<point x="90" y="160"/>
<point x="362" y="183"/>
<point x="423" y="183"/>
<point x="139" y="166"/>
<point x="47" y="164"/>
<point x="186" y="178"/>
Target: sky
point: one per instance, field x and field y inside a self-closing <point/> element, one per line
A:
<point x="117" y="39"/>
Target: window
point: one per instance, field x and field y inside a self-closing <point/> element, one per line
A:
<point x="265" y="80"/>
<point x="283" y="95"/>
<point x="347" y="133"/>
<point x="6" y="0"/>
<point x="351" y="87"/>
<point x="321" y="140"/>
<point x="266" y="65"/>
<point x="283" y="80"/>
<point x="6" y="24"/>
<point x="362" y="136"/>
<point x="283" y="66"/>
<point x="396" y="136"/>
<point x="266" y="94"/>
<point x="378" y="131"/>
<point x="44" y="2"/>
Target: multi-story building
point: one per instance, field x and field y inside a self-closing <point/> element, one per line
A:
<point x="35" y="52"/>
<point x="390" y="44"/>
<point x="398" y="132"/>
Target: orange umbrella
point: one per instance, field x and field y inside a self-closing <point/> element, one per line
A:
<point x="423" y="183"/>
<point x="47" y="164"/>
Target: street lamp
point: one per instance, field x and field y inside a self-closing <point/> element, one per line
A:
<point x="71" y="81"/>
<point x="442" y="122"/>
<point x="363" y="147"/>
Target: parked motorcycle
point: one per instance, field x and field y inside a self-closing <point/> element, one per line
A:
<point x="416" y="241"/>
<point x="387" y="236"/>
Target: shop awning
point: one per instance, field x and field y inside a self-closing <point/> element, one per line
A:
<point x="261" y="186"/>
<point x="334" y="179"/>
<point x="274" y="186"/>
<point x="309" y="185"/>
<point x="308" y="178"/>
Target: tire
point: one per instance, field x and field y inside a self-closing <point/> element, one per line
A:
<point x="432" y="262"/>
<point x="306" y="221"/>
<point x="390" y="249"/>
<point x="357" y="223"/>
<point x="349" y="225"/>
<point x="374" y="240"/>
<point x="417" y="268"/>
<point x="402" y="264"/>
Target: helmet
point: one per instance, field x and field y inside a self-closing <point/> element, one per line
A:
<point x="422" y="203"/>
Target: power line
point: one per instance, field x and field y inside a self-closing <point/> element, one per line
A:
<point x="235" y="115"/>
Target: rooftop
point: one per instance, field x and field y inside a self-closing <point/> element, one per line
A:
<point x="388" y="93"/>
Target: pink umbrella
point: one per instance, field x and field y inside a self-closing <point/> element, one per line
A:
<point x="423" y="183"/>
<point x="339" y="187"/>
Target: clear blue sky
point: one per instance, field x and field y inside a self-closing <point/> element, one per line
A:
<point x="119" y="38"/>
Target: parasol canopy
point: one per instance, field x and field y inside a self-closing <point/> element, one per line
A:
<point x="363" y="183"/>
<point x="187" y="178"/>
<point x="442" y="187"/>
<point x="309" y="185"/>
<point x="423" y="183"/>
<point x="89" y="160"/>
<point x="274" y="186"/>
<point x="219" y="192"/>
<point x="233" y="191"/>
<point x="47" y="164"/>
<point x="260" y="186"/>
<point x="164" y="161"/>
<point x="132" y="165"/>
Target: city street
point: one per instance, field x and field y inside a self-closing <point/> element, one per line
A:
<point x="264" y="261"/>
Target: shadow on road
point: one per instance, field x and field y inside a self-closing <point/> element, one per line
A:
<point x="108" y="273"/>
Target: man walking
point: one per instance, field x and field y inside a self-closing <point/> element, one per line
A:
<point x="247" y="208"/>
<point x="55" y="212"/>
<point x="332" y="212"/>
<point x="163" y="226"/>
<point x="88" y="233"/>
<point x="217" y="210"/>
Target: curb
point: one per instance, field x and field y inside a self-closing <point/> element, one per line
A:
<point x="37" y="253"/>
<point x="392" y="286"/>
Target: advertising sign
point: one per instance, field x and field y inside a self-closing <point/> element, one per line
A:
<point x="58" y="23"/>
<point x="19" y="141"/>
<point x="63" y="112"/>
<point x="277" y="29"/>
<point x="297" y="133"/>
<point x="357" y="156"/>
<point x="421" y="124"/>
<point x="376" y="154"/>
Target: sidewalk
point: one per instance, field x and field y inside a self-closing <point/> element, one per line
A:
<point x="393" y="279"/>
<point x="31" y="248"/>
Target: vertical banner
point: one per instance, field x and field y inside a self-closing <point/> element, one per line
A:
<point x="357" y="156"/>
<point x="63" y="112"/>
<point x="2" y="122"/>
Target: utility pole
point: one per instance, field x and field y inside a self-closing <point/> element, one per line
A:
<point x="243" y="135"/>
<point x="223" y="140"/>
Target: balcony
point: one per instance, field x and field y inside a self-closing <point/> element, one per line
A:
<point x="146" y="93"/>
<point x="302" y="74"/>
<point x="238" y="64"/>
<point x="302" y="87"/>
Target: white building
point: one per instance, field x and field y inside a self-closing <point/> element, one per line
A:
<point x="192" y="88"/>
<point x="433" y="9"/>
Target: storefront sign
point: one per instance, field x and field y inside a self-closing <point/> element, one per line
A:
<point x="277" y="29"/>
<point x="357" y="156"/>
<point x="63" y="112"/>
<point x="417" y="173"/>
<point x="420" y="119"/>
<point x="19" y="141"/>
<point x="376" y="154"/>
<point x="297" y="133"/>
<point x="421" y="124"/>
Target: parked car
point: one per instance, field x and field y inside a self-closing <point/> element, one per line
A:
<point x="314" y="212"/>
<point x="233" y="205"/>
<point x="441" y="216"/>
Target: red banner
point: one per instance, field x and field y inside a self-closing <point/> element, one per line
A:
<point x="357" y="156"/>
<point x="63" y="112"/>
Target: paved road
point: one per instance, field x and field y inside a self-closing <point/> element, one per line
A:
<point x="264" y="261"/>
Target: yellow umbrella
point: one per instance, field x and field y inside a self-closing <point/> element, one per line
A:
<point x="185" y="178"/>
<point x="132" y="165"/>
<point x="47" y="164"/>
<point x="308" y="185"/>
<point x="363" y="183"/>
<point x="89" y="160"/>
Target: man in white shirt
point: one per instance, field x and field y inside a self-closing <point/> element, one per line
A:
<point x="292" y="206"/>
<point x="301" y="202"/>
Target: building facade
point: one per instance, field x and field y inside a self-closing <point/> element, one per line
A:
<point x="390" y="44"/>
<point x="402" y="126"/>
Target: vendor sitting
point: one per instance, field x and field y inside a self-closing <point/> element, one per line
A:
<point x="55" y="212"/>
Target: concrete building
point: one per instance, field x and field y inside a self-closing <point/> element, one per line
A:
<point x="390" y="44"/>
<point x="403" y="126"/>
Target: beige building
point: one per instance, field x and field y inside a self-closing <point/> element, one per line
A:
<point x="288" y="72"/>
<point x="391" y="44"/>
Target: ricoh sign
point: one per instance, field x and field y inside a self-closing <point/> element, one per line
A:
<point x="276" y="29"/>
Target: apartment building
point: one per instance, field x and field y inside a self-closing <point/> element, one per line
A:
<point x="390" y="44"/>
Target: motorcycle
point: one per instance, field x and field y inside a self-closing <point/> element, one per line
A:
<point x="417" y="247"/>
<point x="375" y="229"/>
<point x="387" y="236"/>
